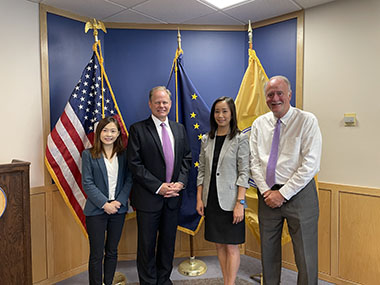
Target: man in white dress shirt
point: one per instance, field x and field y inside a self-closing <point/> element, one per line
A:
<point x="284" y="169"/>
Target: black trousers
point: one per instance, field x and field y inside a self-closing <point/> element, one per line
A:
<point x="155" y="263"/>
<point x="102" y="245"/>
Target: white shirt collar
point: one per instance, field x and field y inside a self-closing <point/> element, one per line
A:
<point x="284" y="119"/>
<point x="158" y="122"/>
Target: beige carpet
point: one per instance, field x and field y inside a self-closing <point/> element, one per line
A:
<point x="209" y="281"/>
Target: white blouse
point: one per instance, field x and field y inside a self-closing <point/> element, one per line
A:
<point x="112" y="171"/>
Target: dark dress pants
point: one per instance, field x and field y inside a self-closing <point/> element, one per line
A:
<point x="103" y="246"/>
<point x="155" y="263"/>
<point x="301" y="213"/>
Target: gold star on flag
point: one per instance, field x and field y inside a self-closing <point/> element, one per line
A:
<point x="196" y="164"/>
<point x="194" y="96"/>
<point x="196" y="126"/>
<point x="200" y="136"/>
<point x="192" y="115"/>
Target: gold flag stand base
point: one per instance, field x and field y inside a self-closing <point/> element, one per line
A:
<point x="192" y="267"/>
<point x="257" y="277"/>
<point x="119" y="279"/>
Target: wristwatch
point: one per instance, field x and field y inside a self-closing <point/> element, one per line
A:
<point x="241" y="201"/>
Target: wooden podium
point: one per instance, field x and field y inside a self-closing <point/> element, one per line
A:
<point x="15" y="243"/>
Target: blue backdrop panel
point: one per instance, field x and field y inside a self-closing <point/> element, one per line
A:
<point x="69" y="50"/>
<point x="137" y="60"/>
<point x="276" y="47"/>
<point x="215" y="62"/>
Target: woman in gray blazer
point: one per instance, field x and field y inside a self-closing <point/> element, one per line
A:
<point x="107" y="183"/>
<point x="222" y="181"/>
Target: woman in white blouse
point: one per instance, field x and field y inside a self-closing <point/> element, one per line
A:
<point x="107" y="183"/>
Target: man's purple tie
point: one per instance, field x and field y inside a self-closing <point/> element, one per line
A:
<point x="168" y="153"/>
<point x="271" y="168"/>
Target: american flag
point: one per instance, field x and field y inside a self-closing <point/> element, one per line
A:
<point x="91" y="100"/>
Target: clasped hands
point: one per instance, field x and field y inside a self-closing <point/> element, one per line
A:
<point x="112" y="207"/>
<point x="273" y="198"/>
<point x="170" y="189"/>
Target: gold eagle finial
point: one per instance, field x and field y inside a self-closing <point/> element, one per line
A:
<point x="95" y="25"/>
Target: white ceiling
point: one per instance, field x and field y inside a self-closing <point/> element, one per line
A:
<point x="194" y="12"/>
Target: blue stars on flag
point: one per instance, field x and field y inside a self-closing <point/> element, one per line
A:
<point x="196" y="125"/>
<point x="193" y="113"/>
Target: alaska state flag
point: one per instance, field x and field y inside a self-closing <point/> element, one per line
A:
<point x="189" y="109"/>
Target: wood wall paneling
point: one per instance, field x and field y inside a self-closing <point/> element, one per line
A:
<point x="38" y="232"/>
<point x="70" y="244"/>
<point x="359" y="232"/>
<point x="252" y="246"/>
<point x="60" y="249"/>
<point x="324" y="232"/>
<point x="128" y="240"/>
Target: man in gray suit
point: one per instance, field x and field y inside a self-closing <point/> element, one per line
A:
<point x="286" y="147"/>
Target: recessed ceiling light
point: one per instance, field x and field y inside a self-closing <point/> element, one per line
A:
<point x="221" y="4"/>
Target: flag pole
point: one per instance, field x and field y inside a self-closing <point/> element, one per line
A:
<point x="95" y="25"/>
<point x="259" y="276"/>
<point x="178" y="52"/>
<point x="192" y="266"/>
<point x="179" y="40"/>
<point x="249" y="34"/>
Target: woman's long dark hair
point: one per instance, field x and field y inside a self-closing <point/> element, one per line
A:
<point x="97" y="148"/>
<point x="233" y="123"/>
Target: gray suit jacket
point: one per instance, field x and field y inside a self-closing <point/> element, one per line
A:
<point x="232" y="170"/>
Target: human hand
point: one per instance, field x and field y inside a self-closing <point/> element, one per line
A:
<point x="273" y="198"/>
<point x="174" y="188"/>
<point x="110" y="208"/>
<point x="238" y="213"/>
<point x="168" y="190"/>
<point x="200" y="207"/>
<point x="116" y="203"/>
<point x="177" y="186"/>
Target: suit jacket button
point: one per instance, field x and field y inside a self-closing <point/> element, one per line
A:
<point x="217" y="174"/>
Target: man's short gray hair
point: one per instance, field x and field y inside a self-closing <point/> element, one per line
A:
<point x="159" y="88"/>
<point x="285" y="79"/>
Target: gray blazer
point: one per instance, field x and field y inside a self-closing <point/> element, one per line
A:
<point x="232" y="170"/>
<point x="95" y="183"/>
